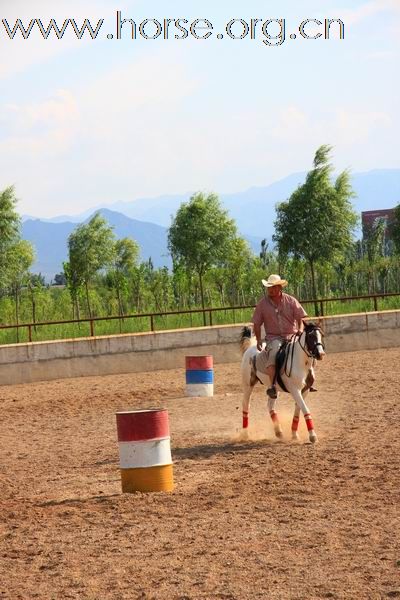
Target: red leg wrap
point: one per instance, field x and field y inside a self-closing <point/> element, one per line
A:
<point x="274" y="416"/>
<point x="245" y="420"/>
<point x="309" y="422"/>
<point x="295" y="423"/>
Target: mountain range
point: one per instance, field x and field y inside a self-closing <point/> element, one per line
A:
<point x="147" y="219"/>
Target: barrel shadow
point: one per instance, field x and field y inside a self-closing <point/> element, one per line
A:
<point x="208" y="450"/>
<point x="76" y="501"/>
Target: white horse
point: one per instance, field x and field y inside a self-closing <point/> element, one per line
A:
<point x="296" y="375"/>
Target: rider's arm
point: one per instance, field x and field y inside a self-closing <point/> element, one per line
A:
<point x="300" y="326"/>
<point x="257" y="321"/>
<point x="257" y="332"/>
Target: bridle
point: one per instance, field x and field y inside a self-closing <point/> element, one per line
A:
<point x="311" y="351"/>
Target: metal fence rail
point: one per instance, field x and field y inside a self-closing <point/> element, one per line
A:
<point x="207" y="315"/>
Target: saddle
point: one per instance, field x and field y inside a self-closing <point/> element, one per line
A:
<point x="280" y="364"/>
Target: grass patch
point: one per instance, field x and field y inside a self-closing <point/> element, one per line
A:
<point x="139" y="324"/>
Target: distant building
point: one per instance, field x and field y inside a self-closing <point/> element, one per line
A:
<point x="370" y="217"/>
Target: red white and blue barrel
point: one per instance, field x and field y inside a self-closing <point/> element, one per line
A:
<point x="145" y="450"/>
<point x="199" y="376"/>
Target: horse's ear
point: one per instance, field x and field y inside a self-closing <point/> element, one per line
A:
<point x="320" y="324"/>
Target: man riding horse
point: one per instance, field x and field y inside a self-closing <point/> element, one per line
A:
<point x="281" y="316"/>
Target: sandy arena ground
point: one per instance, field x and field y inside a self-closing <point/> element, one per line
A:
<point x="257" y="519"/>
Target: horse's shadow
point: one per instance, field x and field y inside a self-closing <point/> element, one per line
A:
<point x="204" y="451"/>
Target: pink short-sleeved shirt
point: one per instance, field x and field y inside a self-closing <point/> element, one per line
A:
<point x="279" y="321"/>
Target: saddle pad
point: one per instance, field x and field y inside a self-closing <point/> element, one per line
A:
<point x="261" y="362"/>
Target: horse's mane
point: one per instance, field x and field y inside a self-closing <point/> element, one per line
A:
<point x="246" y="339"/>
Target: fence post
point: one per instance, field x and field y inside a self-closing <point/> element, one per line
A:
<point x="151" y="323"/>
<point x="30" y="332"/>
<point x="375" y="304"/>
<point x="91" y="328"/>
<point x="322" y="308"/>
<point x="210" y="313"/>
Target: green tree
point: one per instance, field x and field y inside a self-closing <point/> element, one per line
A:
<point x="60" y="279"/>
<point x="73" y="279"/>
<point x="318" y="220"/>
<point x="20" y="259"/>
<point x="265" y="254"/>
<point x="91" y="248"/>
<point x="395" y="229"/>
<point x="237" y="266"/>
<point x="200" y="235"/>
<point x="374" y="243"/>
<point x="35" y="284"/>
<point x="10" y="223"/>
<point x="125" y="259"/>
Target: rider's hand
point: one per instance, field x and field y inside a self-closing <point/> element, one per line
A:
<point x="259" y="345"/>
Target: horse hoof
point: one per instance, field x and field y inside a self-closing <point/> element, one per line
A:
<point x="279" y="434"/>
<point x="244" y="435"/>
<point x="295" y="436"/>
<point x="313" y="437"/>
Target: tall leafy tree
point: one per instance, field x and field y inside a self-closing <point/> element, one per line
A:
<point x="16" y="255"/>
<point x="9" y="228"/>
<point x="265" y="254"/>
<point x="91" y="248"/>
<point x="237" y="267"/>
<point x="318" y="220"/>
<point x="60" y="279"/>
<point x="395" y="229"/>
<point x="200" y="235"/>
<point x="35" y="284"/>
<point x="20" y="259"/>
<point x="125" y="259"/>
<point x="74" y="282"/>
<point x="374" y="243"/>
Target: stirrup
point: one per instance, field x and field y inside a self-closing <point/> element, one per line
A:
<point x="272" y="393"/>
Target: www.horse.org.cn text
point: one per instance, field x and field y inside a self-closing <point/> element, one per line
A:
<point x="271" y="32"/>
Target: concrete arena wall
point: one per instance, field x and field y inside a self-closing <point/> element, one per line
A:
<point x="40" y="361"/>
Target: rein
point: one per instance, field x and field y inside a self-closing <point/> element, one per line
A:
<point x="290" y="353"/>
<point x="305" y="347"/>
<point x="291" y="348"/>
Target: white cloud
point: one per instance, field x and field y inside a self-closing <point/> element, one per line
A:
<point x="164" y="122"/>
<point x="392" y="4"/>
<point x="353" y="16"/>
<point x="381" y="56"/>
<point x="347" y="125"/>
<point x="369" y="9"/>
<point x="120" y="146"/>
<point x="40" y="138"/>
<point x="54" y="111"/>
<point x="117" y="131"/>
<point x="23" y="54"/>
<point x="359" y="126"/>
<point x="291" y="123"/>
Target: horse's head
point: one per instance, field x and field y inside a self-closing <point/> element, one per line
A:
<point x="313" y="340"/>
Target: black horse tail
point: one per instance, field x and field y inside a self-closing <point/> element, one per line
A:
<point x="246" y="339"/>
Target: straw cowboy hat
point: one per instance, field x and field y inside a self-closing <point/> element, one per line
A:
<point x="274" y="280"/>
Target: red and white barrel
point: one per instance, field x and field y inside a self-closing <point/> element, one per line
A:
<point x="145" y="450"/>
<point x="199" y="376"/>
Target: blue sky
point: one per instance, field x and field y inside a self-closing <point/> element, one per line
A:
<point x="87" y="122"/>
